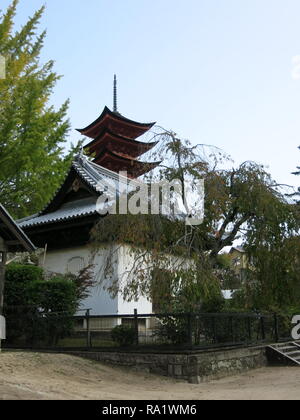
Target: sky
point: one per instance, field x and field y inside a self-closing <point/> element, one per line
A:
<point x="220" y="72"/>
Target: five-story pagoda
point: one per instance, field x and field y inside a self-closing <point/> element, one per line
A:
<point x="114" y="144"/>
<point x="72" y="212"/>
<point x="63" y="227"/>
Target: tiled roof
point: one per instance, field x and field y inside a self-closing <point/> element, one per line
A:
<point x="75" y="209"/>
<point x="15" y="231"/>
<point x="96" y="177"/>
<point x="93" y="174"/>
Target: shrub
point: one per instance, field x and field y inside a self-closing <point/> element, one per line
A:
<point x="123" y="335"/>
<point x="57" y="298"/>
<point x="18" y="281"/>
<point x="172" y="329"/>
<point x="38" y="310"/>
<point x="56" y="295"/>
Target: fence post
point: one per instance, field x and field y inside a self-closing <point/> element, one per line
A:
<point x="33" y="331"/>
<point x="214" y="330"/>
<point x="231" y="329"/>
<point x="88" y="330"/>
<point x="249" y="329"/>
<point x="263" y="331"/>
<point x="276" y="328"/>
<point x="136" y="327"/>
<point x="190" y="330"/>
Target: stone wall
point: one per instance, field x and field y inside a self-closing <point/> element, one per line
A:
<point x="195" y="367"/>
<point x="216" y="365"/>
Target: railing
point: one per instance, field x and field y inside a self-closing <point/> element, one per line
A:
<point x="28" y="329"/>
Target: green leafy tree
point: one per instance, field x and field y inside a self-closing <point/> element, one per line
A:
<point x="240" y="203"/>
<point x="273" y="281"/>
<point x="32" y="132"/>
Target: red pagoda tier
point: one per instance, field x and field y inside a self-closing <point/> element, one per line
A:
<point x="117" y="124"/>
<point x="118" y="163"/>
<point x="114" y="145"/>
<point x="118" y="144"/>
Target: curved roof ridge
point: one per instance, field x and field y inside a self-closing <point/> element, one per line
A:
<point x="118" y="136"/>
<point x="106" y="150"/>
<point x="117" y="116"/>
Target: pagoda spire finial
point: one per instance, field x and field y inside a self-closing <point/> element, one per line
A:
<point x="115" y="94"/>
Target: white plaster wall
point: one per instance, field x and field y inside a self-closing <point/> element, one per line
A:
<point x="100" y="301"/>
<point x="125" y="263"/>
<point x="61" y="261"/>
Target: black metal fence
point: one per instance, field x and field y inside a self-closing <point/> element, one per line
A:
<point x="35" y="330"/>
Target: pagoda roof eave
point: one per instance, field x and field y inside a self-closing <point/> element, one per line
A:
<point x="115" y="116"/>
<point x="142" y="146"/>
<point x="140" y="167"/>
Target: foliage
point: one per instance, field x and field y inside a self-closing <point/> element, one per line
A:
<point x="19" y="307"/>
<point x="297" y="193"/>
<point x="206" y="329"/>
<point x="57" y="298"/>
<point x="32" y="132"/>
<point x="191" y="292"/>
<point x="123" y="335"/>
<point x="57" y="295"/>
<point x="39" y="309"/>
<point x="229" y="278"/>
<point x="224" y="261"/>
<point x="172" y="329"/>
<point x="274" y="284"/>
<point x="83" y="281"/>
<point x="242" y="202"/>
<point x="18" y="284"/>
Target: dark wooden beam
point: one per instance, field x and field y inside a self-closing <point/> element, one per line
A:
<point x="3" y="258"/>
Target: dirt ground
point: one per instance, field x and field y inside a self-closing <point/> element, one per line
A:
<point x="36" y="376"/>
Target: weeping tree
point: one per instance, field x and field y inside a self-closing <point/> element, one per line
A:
<point x="241" y="203"/>
<point x="32" y="132"/>
<point x="272" y="246"/>
<point x="297" y="173"/>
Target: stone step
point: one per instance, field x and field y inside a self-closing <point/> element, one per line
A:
<point x="290" y="351"/>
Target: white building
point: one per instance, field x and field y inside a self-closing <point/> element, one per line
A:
<point x="63" y="227"/>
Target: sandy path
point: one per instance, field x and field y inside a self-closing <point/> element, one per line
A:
<point x="39" y="376"/>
